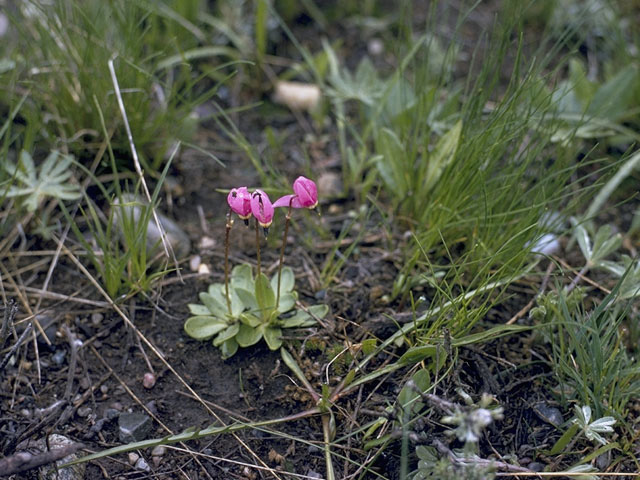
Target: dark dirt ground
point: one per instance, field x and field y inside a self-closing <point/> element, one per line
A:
<point x="40" y="395"/>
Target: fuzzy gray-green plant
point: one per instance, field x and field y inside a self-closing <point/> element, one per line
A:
<point x="33" y="184"/>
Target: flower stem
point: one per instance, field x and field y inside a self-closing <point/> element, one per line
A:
<point x="258" y="247"/>
<point x="226" y="260"/>
<point x="284" y="243"/>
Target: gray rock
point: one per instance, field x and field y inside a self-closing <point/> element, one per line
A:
<point x="131" y="208"/>
<point x="50" y="472"/>
<point x="133" y="427"/>
<point x="536" y="467"/>
<point x="549" y="414"/>
<point x="142" y="464"/>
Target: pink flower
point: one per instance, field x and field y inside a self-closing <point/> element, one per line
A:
<point x="262" y="208"/>
<point x="239" y="200"/>
<point x="306" y="195"/>
<point x="306" y="191"/>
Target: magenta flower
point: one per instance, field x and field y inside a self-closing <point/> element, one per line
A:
<point x="239" y="200"/>
<point x="262" y="208"/>
<point x="305" y="195"/>
<point x="306" y="191"/>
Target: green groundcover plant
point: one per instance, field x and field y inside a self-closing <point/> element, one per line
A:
<point x="248" y="308"/>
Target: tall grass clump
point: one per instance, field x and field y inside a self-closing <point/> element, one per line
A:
<point x="61" y="51"/>
<point x="466" y="164"/>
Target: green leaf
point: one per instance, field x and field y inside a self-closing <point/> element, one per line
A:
<point x="443" y="155"/>
<point x="273" y="337"/>
<point x="605" y="243"/>
<point x="418" y="354"/>
<point x="51" y="180"/>
<point x="265" y="296"/>
<point x="237" y="305"/>
<point x="226" y="334"/>
<point x="490" y="334"/>
<point x="286" y="282"/>
<point x="229" y="348"/>
<point x="203" y="327"/>
<point x="299" y="319"/>
<point x="215" y="305"/>
<point x="369" y="346"/>
<point x="612" y="100"/>
<point x="250" y="320"/>
<point x="304" y="319"/>
<point x="248" y="336"/>
<point x="287" y="302"/>
<point x="242" y="277"/>
<point x="584" y="241"/>
<point x="197" y="309"/>
<point x="318" y="311"/>
<point x="248" y="298"/>
<point x="564" y="440"/>
<point x="390" y="164"/>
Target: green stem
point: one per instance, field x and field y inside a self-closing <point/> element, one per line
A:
<point x="258" y="247"/>
<point x="226" y="260"/>
<point x="284" y="243"/>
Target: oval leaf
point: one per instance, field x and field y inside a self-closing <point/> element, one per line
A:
<point x="229" y="348"/>
<point x="203" y="327"/>
<point x="287" y="281"/>
<point x="300" y="319"/>
<point x="273" y="337"/>
<point x="250" y="320"/>
<point x="197" y="309"/>
<point x="287" y="302"/>
<point x="248" y="336"/>
<point x="237" y="305"/>
<point x="248" y="298"/>
<point x="213" y="304"/>
<point x="265" y="296"/>
<point x="242" y="277"/>
<point x="226" y="334"/>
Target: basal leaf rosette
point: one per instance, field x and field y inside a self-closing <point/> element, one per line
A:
<point x="257" y="311"/>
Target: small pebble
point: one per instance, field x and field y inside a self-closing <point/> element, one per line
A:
<point x="84" y="411"/>
<point x="149" y="380"/>
<point x="104" y="389"/>
<point x="203" y="269"/>
<point x="58" y="357"/>
<point x="375" y="46"/>
<point x="96" y="319"/>
<point x="133" y="458"/>
<point x="207" y="243"/>
<point x="195" y="262"/>
<point x="142" y="464"/>
<point x="85" y="383"/>
<point x="159" y="450"/>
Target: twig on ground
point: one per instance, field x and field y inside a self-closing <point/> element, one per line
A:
<point x="10" y="312"/>
<point x="15" y="347"/>
<point x="23" y="461"/>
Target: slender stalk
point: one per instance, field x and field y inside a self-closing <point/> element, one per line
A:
<point x="258" y="247"/>
<point x="284" y="243"/>
<point x="226" y="259"/>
